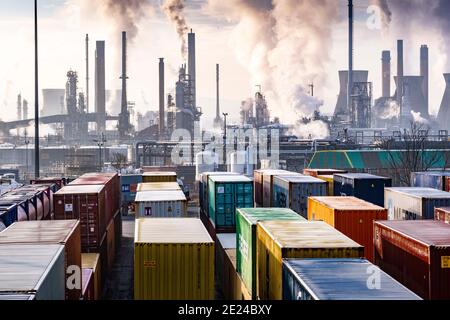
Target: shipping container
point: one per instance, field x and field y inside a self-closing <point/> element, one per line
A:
<point x="430" y="179"/>
<point x="92" y="261"/>
<point x="226" y="194"/>
<point x="86" y="203"/>
<point x="111" y="181"/>
<point x="173" y="260"/>
<point x="60" y="182"/>
<point x="88" y="284"/>
<point x="8" y="215"/>
<point x="110" y="244"/>
<point x="160" y="176"/>
<point x="33" y="269"/>
<point x="246" y="221"/>
<point x="295" y="239"/>
<point x="414" y="203"/>
<point x="165" y="203"/>
<point x="293" y="192"/>
<point x="17" y="297"/>
<point x="330" y="184"/>
<point x="417" y="254"/>
<point x="129" y="184"/>
<point x="155" y="186"/>
<point x="267" y="198"/>
<point x="365" y="186"/>
<point x="66" y="233"/>
<point x="102" y="250"/>
<point x="203" y="188"/>
<point x="442" y="214"/>
<point x="258" y="184"/>
<point x="322" y="279"/>
<point x="350" y="215"/>
<point x="322" y="172"/>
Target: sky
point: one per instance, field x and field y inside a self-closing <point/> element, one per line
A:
<point x="64" y="23"/>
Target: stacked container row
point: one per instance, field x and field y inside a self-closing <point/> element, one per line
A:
<point x="128" y="187"/>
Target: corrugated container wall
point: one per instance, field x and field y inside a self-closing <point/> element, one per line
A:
<point x="166" y="203"/>
<point x="322" y="172"/>
<point x="36" y="269"/>
<point x="351" y="216"/>
<point x="204" y="187"/>
<point x="330" y="183"/>
<point x="430" y="179"/>
<point x="128" y="185"/>
<point x="321" y="279"/>
<point x="414" y="203"/>
<point x="226" y="194"/>
<point x="268" y="176"/>
<point x="173" y="260"/>
<point x="246" y="221"/>
<point x="293" y="192"/>
<point x="416" y="253"/>
<point x="361" y="185"/>
<point x="295" y="239"/>
<point x="442" y="214"/>
<point x="159" y="177"/>
<point x="66" y="233"/>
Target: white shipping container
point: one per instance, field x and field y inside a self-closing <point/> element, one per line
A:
<point x="33" y="269"/>
<point x="166" y="203"/>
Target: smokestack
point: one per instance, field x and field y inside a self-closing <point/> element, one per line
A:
<point x="161" y="97"/>
<point x="425" y="73"/>
<point x="217" y="91"/>
<point x="25" y="110"/>
<point x="350" y="56"/>
<point x="191" y="66"/>
<point x="386" y="73"/>
<point x="19" y="107"/>
<point x="399" y="72"/>
<point x="100" y="92"/>
<point x="124" y="119"/>
<point x="87" y="73"/>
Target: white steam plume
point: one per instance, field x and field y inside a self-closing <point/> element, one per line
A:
<point x="174" y="12"/>
<point x="418" y="118"/>
<point x="391" y="110"/>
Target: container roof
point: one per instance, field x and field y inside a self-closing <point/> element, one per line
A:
<point x="429" y="232"/>
<point x="238" y="178"/>
<point x="418" y="192"/>
<point x="360" y="176"/>
<point x="280" y="173"/>
<point x="271" y="171"/>
<point x="159" y="173"/>
<point x="325" y="171"/>
<point x="23" y="266"/>
<point x="435" y="173"/>
<point x="345" y="279"/>
<point x="171" y="230"/>
<point x="227" y="240"/>
<point x="77" y="189"/>
<point x="54" y="231"/>
<point x="253" y="215"/>
<point x="300" y="179"/>
<point x="154" y="186"/>
<point x="160" y="195"/>
<point x="347" y="203"/>
<point x="306" y="234"/>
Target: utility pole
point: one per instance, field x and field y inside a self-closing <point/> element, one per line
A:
<point x="225" y="137"/>
<point x="27" y="142"/>
<point x="36" y="95"/>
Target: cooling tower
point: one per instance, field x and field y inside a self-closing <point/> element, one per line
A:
<point x="444" y="110"/>
<point x="413" y="93"/>
<point x="342" y="105"/>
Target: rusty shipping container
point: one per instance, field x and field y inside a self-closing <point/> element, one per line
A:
<point x="66" y="233"/>
<point x="442" y="214"/>
<point x="417" y="254"/>
<point x="351" y="216"/>
<point x="92" y="261"/>
<point x="295" y="239"/>
<point x="86" y="203"/>
<point x="267" y="198"/>
<point x="322" y="172"/>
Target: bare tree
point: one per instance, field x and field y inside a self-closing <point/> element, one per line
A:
<point x="119" y="161"/>
<point x="410" y="154"/>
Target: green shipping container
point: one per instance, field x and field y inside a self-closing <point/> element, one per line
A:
<point x="246" y="220"/>
<point x="225" y="195"/>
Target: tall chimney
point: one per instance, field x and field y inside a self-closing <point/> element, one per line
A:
<point x="87" y="73"/>
<point x="124" y="117"/>
<point x="217" y="92"/>
<point x="161" y="97"/>
<point x="19" y="107"/>
<point x="350" y="57"/>
<point x="399" y="72"/>
<point x="386" y="73"/>
<point x="425" y="73"/>
<point x="191" y="66"/>
<point x="25" y="110"/>
<point x="100" y="92"/>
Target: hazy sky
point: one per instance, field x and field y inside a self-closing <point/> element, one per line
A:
<point x="63" y="25"/>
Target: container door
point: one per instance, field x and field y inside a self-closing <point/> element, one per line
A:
<point x="224" y="203"/>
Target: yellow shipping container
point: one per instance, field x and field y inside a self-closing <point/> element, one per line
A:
<point x="92" y="261"/>
<point x="295" y="239"/>
<point x="329" y="180"/>
<point x="154" y="186"/>
<point x="159" y="176"/>
<point x="173" y="260"/>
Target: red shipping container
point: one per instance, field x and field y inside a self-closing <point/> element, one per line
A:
<point x="87" y="284"/>
<point x="442" y="214"/>
<point x="417" y="254"/>
<point x="447" y="184"/>
<point x="86" y="203"/>
<point x="258" y="187"/>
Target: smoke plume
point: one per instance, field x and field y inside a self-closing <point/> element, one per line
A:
<point x="284" y="44"/>
<point x="174" y="12"/>
<point x="418" y="118"/>
<point x="391" y="110"/>
<point x="386" y="14"/>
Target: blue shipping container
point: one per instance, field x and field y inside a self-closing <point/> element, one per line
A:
<point x="128" y="185"/>
<point x="340" y="279"/>
<point x="429" y="179"/>
<point x="364" y="186"/>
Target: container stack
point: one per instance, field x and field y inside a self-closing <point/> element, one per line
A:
<point x="267" y="185"/>
<point x="203" y="187"/>
<point x="128" y="187"/>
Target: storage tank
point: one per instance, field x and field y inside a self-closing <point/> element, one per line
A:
<point x="205" y="161"/>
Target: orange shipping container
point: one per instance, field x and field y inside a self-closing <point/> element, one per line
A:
<point x="351" y="216"/>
